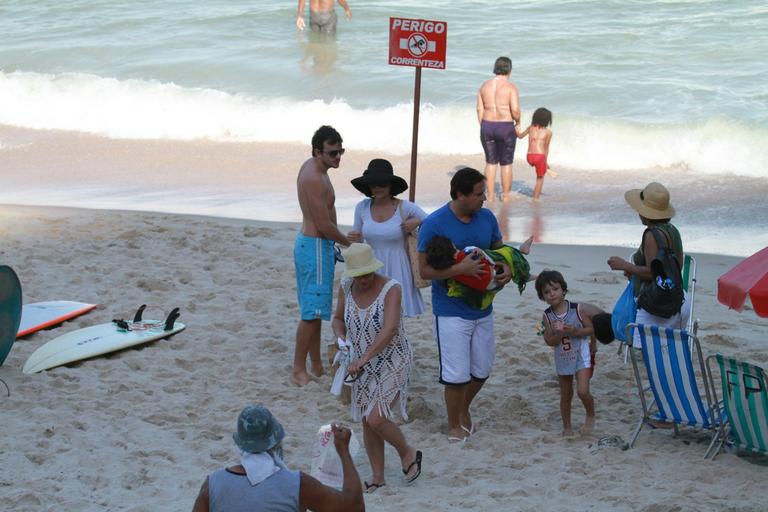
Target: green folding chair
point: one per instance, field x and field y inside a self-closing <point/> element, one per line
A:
<point x="745" y="402"/>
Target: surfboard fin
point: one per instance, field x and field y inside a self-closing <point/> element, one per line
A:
<point x="172" y="317"/>
<point x="121" y="324"/>
<point x="139" y="312"/>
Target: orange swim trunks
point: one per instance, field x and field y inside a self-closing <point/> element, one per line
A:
<point x="539" y="161"/>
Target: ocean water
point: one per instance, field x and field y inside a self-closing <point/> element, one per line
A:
<point x="640" y="90"/>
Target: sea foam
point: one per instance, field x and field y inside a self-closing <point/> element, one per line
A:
<point x="141" y="109"/>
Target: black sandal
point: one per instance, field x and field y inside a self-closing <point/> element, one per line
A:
<point x="371" y="488"/>
<point x="349" y="379"/>
<point x="417" y="462"/>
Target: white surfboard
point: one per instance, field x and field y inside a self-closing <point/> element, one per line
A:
<point x="41" y="315"/>
<point x="98" y="340"/>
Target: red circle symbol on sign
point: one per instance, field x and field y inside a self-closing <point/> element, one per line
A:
<point x="417" y="45"/>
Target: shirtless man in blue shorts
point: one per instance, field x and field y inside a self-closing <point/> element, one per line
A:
<point x="498" y="110"/>
<point x="322" y="15"/>
<point x="313" y="253"/>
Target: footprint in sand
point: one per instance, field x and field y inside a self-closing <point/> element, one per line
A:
<point x="250" y="232"/>
<point x="719" y="340"/>
<point x="603" y="278"/>
<point x="419" y="409"/>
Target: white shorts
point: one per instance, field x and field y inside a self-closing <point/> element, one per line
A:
<point x="678" y="321"/>
<point x="466" y="348"/>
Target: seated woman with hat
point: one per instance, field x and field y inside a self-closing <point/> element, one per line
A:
<point x="383" y="221"/>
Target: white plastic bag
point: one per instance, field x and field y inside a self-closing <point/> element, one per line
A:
<point x="343" y="357"/>
<point x="326" y="463"/>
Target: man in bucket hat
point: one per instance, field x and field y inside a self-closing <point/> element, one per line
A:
<point x="262" y="482"/>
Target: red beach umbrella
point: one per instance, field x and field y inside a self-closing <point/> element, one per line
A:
<point x="750" y="277"/>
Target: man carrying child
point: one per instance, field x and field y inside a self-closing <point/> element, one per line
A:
<point x="464" y="334"/>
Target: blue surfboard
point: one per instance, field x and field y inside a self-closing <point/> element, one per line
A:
<point x="10" y="309"/>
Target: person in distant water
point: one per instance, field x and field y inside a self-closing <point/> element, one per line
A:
<point x="262" y="481"/>
<point x="313" y="252"/>
<point x="322" y="15"/>
<point x="539" y="137"/>
<point x="498" y="110"/>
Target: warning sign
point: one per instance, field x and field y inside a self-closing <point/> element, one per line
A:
<point x="419" y="43"/>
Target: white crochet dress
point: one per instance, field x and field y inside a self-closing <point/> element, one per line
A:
<point x="386" y="376"/>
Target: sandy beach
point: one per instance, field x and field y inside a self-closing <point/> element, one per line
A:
<point x="138" y="430"/>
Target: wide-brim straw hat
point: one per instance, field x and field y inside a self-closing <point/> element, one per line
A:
<point x="652" y="202"/>
<point x="359" y="261"/>
<point x="257" y="430"/>
<point x="379" y="171"/>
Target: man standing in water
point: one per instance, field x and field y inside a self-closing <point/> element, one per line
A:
<point x="498" y="109"/>
<point x="313" y="252"/>
<point x="322" y="15"/>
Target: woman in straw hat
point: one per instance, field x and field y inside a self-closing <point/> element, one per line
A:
<point x="383" y="222"/>
<point x="655" y="211"/>
<point x="369" y="317"/>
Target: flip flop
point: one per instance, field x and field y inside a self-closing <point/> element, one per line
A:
<point x="457" y="440"/>
<point x="469" y="431"/>
<point x="371" y="488"/>
<point x="417" y="462"/>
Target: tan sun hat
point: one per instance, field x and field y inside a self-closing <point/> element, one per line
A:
<point x="652" y="202"/>
<point x="359" y="261"/>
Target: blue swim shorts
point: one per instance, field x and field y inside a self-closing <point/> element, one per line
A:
<point x="314" y="261"/>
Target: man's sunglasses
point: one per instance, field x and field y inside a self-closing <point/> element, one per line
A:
<point x="334" y="152"/>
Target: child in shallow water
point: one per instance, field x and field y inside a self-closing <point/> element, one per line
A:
<point x="539" y="136"/>
<point x="479" y="292"/>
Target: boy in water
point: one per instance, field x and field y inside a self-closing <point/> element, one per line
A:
<point x="478" y="292"/>
<point x="567" y="331"/>
<point x="539" y="137"/>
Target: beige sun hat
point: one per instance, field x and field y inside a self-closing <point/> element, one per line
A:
<point x="652" y="202"/>
<point x="359" y="260"/>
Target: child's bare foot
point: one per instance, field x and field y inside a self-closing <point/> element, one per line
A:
<point x="525" y="247"/>
<point x="567" y="432"/>
<point x="589" y="425"/>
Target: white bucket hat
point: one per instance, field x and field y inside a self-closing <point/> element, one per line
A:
<point x="359" y="261"/>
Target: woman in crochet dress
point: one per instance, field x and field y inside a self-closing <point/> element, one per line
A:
<point x="369" y="316"/>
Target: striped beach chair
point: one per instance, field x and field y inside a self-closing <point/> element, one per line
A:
<point x="745" y="402"/>
<point x="672" y="382"/>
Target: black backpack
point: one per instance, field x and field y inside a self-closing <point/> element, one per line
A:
<point x="663" y="294"/>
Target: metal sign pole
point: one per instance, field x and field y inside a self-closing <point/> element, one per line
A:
<point x="415" y="134"/>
